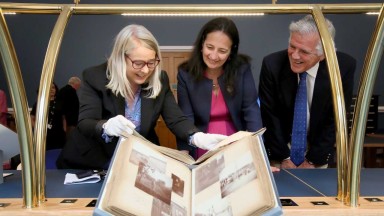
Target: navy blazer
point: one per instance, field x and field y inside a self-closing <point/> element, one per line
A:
<point x="86" y="149"/>
<point x="277" y="88"/>
<point x="194" y="99"/>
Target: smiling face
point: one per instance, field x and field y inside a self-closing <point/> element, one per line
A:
<point x="216" y="50"/>
<point x="138" y="77"/>
<point x="302" y="51"/>
<point x="52" y="92"/>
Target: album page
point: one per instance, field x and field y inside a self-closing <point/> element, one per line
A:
<point x="234" y="181"/>
<point x="143" y="181"/>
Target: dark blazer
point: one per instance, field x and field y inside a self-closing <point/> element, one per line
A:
<point x="86" y="149"/>
<point x="277" y="89"/>
<point x="194" y="98"/>
<point x="70" y="100"/>
<point x="56" y="135"/>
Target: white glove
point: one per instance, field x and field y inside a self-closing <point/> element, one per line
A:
<point x="206" y="141"/>
<point x="118" y="126"/>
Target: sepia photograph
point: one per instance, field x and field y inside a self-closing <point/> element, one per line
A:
<point x="208" y="174"/>
<point x="177" y="185"/>
<point x="177" y="210"/>
<point x="215" y="207"/>
<point x="138" y="156"/>
<point x="236" y="175"/>
<point x="159" y="208"/>
<point x="154" y="183"/>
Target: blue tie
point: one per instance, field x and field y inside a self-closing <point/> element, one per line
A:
<point x="299" y="129"/>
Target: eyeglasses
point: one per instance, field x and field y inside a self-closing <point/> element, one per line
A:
<point x="138" y="64"/>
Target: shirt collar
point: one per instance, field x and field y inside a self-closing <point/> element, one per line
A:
<point x="313" y="70"/>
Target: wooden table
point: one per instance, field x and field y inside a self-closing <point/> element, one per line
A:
<point x="297" y="185"/>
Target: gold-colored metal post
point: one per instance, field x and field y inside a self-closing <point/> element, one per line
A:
<point x="43" y="102"/>
<point x="367" y="82"/>
<point x="22" y="118"/>
<point x="338" y="101"/>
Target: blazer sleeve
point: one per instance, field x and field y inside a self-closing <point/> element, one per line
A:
<point x="274" y="137"/>
<point x="250" y="108"/>
<point x="347" y="69"/>
<point x="174" y="118"/>
<point x="183" y="99"/>
<point x="91" y="116"/>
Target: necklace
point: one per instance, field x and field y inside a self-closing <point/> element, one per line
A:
<point x="215" y="89"/>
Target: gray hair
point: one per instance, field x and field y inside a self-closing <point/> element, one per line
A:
<point x="128" y="39"/>
<point x="74" y="80"/>
<point x="307" y="25"/>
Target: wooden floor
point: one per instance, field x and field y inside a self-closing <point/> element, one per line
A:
<point x="53" y="206"/>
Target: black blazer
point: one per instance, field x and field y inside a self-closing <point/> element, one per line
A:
<point x="194" y="98"/>
<point x="86" y="149"/>
<point x="70" y="100"/>
<point x="277" y="90"/>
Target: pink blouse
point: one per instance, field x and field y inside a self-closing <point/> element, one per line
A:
<point x="220" y="121"/>
<point x="3" y="108"/>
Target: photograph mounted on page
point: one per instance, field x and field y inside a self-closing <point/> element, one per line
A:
<point x="143" y="180"/>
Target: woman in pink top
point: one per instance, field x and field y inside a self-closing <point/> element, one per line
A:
<point x="3" y="108"/>
<point x="215" y="87"/>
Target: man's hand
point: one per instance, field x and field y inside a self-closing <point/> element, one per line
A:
<point x="306" y="165"/>
<point x="288" y="164"/>
<point x="274" y="169"/>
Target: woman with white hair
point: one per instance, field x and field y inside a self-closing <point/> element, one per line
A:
<point x="129" y="92"/>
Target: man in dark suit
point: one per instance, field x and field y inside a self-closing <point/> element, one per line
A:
<point x="68" y="96"/>
<point x="279" y="80"/>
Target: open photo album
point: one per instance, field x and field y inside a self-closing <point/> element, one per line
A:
<point x="232" y="179"/>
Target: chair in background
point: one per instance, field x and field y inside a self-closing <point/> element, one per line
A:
<point x="373" y="146"/>
<point x="51" y="157"/>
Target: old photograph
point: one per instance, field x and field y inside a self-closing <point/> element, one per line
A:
<point x="138" y="156"/>
<point x="238" y="174"/>
<point x="159" y="208"/>
<point x="215" y="207"/>
<point x="177" y="210"/>
<point x="208" y="174"/>
<point x="177" y="185"/>
<point x="154" y="183"/>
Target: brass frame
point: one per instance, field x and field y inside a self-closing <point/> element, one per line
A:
<point x="367" y="79"/>
<point x="34" y="176"/>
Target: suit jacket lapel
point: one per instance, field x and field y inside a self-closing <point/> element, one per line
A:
<point x="203" y="94"/>
<point x="289" y="85"/>
<point x="230" y="101"/>
<point x="147" y="106"/>
<point x="321" y="96"/>
<point x="118" y="104"/>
